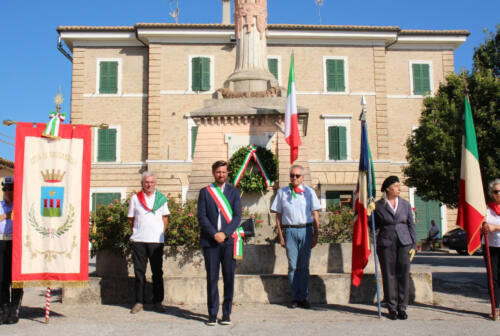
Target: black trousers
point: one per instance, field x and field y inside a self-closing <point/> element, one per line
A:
<point x="8" y="296"/>
<point x="495" y="271"/>
<point x="141" y="253"/>
<point x="395" y="265"/>
<point x="222" y="254"/>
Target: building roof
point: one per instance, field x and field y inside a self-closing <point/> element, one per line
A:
<point x="6" y="163"/>
<point x="270" y="26"/>
<point x="141" y="34"/>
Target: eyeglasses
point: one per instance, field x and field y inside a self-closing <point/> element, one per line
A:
<point x="496" y="192"/>
<point x="295" y="176"/>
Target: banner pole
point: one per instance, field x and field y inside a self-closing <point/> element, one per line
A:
<point x="47" y="305"/>
<point x="375" y="258"/>
<point x="490" y="276"/>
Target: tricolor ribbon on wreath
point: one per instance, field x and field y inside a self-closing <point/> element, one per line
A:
<point x="252" y="153"/>
<point x="225" y="209"/>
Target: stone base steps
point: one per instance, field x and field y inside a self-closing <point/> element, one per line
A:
<point x="330" y="288"/>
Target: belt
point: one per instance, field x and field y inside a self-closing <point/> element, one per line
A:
<point x="297" y="226"/>
<point x="5" y="236"/>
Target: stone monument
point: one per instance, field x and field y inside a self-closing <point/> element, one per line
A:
<point x="249" y="109"/>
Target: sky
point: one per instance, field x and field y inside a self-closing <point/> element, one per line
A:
<point x="32" y="69"/>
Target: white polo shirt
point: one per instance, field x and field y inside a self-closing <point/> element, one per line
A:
<point x="493" y="219"/>
<point x="148" y="227"/>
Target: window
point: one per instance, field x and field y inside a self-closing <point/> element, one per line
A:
<point x="337" y="137"/>
<point x="201" y="74"/>
<point x="342" y="198"/>
<point x="102" y="198"/>
<point x="274" y="63"/>
<point x="107" y="145"/>
<point x="335" y="69"/>
<point x="108" y="76"/>
<point x="337" y="143"/>
<point x="421" y="82"/>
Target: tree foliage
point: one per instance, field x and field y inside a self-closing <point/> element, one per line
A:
<point x="434" y="149"/>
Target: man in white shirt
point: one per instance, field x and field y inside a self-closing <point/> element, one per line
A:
<point x="148" y="218"/>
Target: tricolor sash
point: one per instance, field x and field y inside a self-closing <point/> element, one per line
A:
<point x="160" y="199"/>
<point x="221" y="201"/>
<point x="238" y="235"/>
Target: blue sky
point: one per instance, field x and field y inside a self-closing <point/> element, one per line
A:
<point x="32" y="69"/>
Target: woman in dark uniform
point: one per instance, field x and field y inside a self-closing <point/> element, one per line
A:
<point x="396" y="245"/>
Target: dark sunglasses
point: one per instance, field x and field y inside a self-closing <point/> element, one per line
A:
<point x="295" y="176"/>
<point x="496" y="192"/>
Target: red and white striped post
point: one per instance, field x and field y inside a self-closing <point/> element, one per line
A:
<point x="47" y="305"/>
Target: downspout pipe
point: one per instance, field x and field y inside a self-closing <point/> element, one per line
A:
<point x="61" y="49"/>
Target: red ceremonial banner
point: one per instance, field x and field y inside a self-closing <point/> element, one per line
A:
<point x="51" y="206"/>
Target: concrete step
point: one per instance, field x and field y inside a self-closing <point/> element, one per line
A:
<point x="330" y="288"/>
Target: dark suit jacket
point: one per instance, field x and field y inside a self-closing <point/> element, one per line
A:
<point x="390" y="224"/>
<point x="208" y="212"/>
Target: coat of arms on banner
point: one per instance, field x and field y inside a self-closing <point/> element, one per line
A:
<point x="52" y="195"/>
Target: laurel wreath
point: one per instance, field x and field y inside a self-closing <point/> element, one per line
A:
<point x="47" y="232"/>
<point x="252" y="181"/>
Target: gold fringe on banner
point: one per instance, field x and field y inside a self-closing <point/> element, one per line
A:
<point x="49" y="283"/>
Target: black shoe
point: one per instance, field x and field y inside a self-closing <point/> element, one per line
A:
<point x="212" y="320"/>
<point x="294" y="304"/>
<point x="393" y="315"/>
<point x="402" y="315"/>
<point x="304" y="304"/>
<point x="225" y="320"/>
<point x="5" y="314"/>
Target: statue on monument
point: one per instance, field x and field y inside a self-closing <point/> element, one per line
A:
<point x="251" y="77"/>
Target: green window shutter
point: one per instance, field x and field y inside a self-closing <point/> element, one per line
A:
<point x="205" y="74"/>
<point x="332" y="198"/>
<point x="333" y="143"/>
<point x="421" y="79"/>
<point x="99" y="199"/>
<point x="106" y="145"/>
<point x="337" y="143"/>
<point x="335" y="75"/>
<point x="108" y="81"/>
<point x="194" y="134"/>
<point x="196" y="74"/>
<point x="272" y="64"/>
<point x="342" y="143"/>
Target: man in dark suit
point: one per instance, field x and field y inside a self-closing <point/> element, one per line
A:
<point x="396" y="244"/>
<point x="219" y="214"/>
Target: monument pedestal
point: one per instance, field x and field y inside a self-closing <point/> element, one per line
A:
<point x="225" y="124"/>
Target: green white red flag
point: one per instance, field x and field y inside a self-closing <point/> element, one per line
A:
<point x="292" y="136"/>
<point x="471" y="203"/>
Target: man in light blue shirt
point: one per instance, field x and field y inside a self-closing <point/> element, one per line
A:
<point x="297" y="221"/>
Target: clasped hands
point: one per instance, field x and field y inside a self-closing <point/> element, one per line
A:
<point x="220" y="237"/>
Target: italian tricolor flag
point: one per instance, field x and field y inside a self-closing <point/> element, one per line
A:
<point x="471" y="203"/>
<point x="292" y="136"/>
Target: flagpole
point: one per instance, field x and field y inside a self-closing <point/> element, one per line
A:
<point x="370" y="193"/>
<point x="490" y="276"/>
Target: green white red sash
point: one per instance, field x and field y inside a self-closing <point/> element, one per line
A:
<point x="238" y="235"/>
<point x="221" y="201"/>
<point x="225" y="209"/>
<point x="252" y="153"/>
<point x="160" y="199"/>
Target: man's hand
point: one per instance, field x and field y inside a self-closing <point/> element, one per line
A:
<point x="315" y="239"/>
<point x="412" y="254"/>
<point x="220" y="237"/>
<point x="282" y="241"/>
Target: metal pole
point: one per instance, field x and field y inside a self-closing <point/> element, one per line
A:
<point x="375" y="257"/>
<point x="490" y="276"/>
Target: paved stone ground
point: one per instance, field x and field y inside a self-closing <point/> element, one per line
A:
<point x="461" y="308"/>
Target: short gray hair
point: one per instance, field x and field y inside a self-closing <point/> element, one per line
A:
<point x="147" y="174"/>
<point x="298" y="167"/>
<point x="493" y="183"/>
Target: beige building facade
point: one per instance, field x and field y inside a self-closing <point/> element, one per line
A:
<point x="142" y="81"/>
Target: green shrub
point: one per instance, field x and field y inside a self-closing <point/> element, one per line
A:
<point x="183" y="227"/>
<point x="338" y="227"/>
